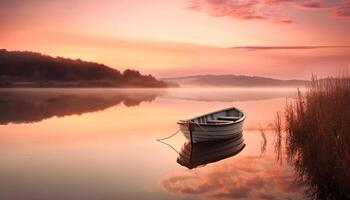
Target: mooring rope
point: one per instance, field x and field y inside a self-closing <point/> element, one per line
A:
<point x="160" y="139"/>
<point x="169" y="145"/>
<point x="189" y="124"/>
<point x="172" y="135"/>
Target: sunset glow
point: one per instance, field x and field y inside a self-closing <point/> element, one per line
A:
<point x="282" y="39"/>
<point x="174" y="99"/>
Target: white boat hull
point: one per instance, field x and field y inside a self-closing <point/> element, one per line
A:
<point x="197" y="132"/>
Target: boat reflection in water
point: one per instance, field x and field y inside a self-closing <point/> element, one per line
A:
<point x="193" y="155"/>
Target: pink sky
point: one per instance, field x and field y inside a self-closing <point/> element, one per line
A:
<point x="184" y="37"/>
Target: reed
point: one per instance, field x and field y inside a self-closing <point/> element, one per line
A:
<point x="317" y="128"/>
<point x="263" y="142"/>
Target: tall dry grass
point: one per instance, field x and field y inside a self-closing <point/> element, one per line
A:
<point x="317" y="128"/>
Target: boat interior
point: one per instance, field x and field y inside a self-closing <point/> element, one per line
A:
<point x="220" y="117"/>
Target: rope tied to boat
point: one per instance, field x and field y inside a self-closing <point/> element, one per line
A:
<point x="169" y="145"/>
<point x="170" y="136"/>
<point x="165" y="138"/>
<point x="190" y="128"/>
<point x="190" y="125"/>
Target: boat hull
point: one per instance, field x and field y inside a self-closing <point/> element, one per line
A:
<point x="213" y="126"/>
<point x="203" y="133"/>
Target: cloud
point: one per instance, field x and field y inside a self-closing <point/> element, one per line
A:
<point x="344" y="10"/>
<point x="238" y="9"/>
<point x="255" y="48"/>
<point x="265" y="9"/>
<point x="313" y="5"/>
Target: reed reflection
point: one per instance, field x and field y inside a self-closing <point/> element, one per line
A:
<point x="322" y="163"/>
<point x="28" y="106"/>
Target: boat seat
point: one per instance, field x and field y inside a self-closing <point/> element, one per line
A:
<point x="213" y="121"/>
<point x="228" y="118"/>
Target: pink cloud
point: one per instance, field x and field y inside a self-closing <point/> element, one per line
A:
<point x="276" y="2"/>
<point x="344" y="10"/>
<point x="313" y="5"/>
<point x="264" y="9"/>
<point x="242" y="10"/>
<point x="255" y="48"/>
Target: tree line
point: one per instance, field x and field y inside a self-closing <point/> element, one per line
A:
<point x="38" y="69"/>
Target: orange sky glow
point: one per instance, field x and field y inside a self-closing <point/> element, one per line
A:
<point x="275" y="38"/>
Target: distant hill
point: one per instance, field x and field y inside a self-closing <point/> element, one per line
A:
<point x="29" y="69"/>
<point x="229" y="80"/>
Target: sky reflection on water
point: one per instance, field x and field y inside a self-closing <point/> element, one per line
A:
<point x="108" y="150"/>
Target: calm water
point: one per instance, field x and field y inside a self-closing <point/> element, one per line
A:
<point x="101" y="144"/>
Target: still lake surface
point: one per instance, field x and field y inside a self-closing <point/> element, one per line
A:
<point x="101" y="144"/>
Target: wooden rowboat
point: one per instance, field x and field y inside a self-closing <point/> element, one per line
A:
<point x="221" y="124"/>
<point x="199" y="154"/>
